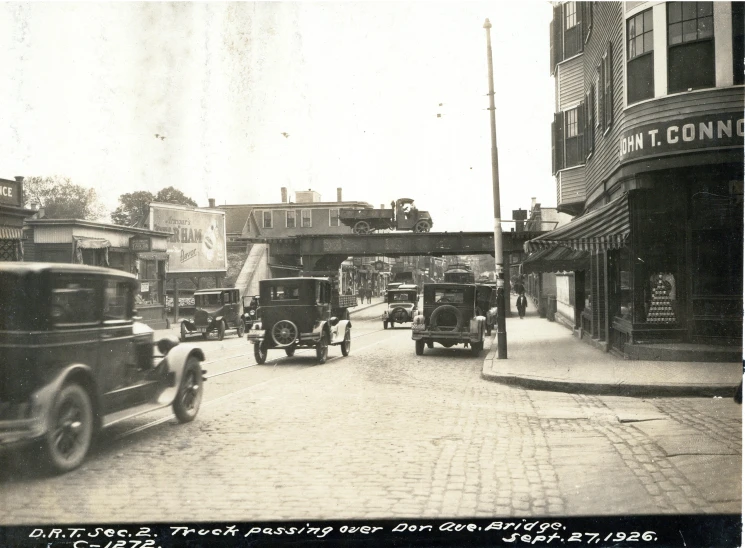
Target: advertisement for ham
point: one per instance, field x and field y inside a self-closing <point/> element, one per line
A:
<point x="197" y="242"/>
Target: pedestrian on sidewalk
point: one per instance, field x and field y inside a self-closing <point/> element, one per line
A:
<point x="519" y="287"/>
<point x="368" y="293"/>
<point x="522" y="304"/>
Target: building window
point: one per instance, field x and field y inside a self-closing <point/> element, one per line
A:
<point x="333" y="217"/>
<point x="290" y="219"/>
<point x="589" y="114"/>
<point x="573" y="36"/>
<point x="306" y="218"/>
<point x="690" y="40"/>
<point x="266" y="219"/>
<point x="605" y="91"/>
<point x="640" y="55"/>
<point x="573" y="136"/>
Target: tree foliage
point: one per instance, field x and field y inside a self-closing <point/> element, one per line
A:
<point x="62" y="199"/>
<point x="134" y="207"/>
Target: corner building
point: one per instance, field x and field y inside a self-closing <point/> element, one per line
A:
<point x="648" y="155"/>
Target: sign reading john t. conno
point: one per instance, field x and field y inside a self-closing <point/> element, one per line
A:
<point x="711" y="131"/>
<point x="197" y="242"/>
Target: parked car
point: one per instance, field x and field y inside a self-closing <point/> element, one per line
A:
<point x="403" y="305"/>
<point x="74" y="359"/>
<point x="250" y="309"/>
<point x="215" y="311"/>
<point x="451" y="316"/>
<point x="297" y="313"/>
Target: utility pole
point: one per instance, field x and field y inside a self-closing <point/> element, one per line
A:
<point x="498" y="255"/>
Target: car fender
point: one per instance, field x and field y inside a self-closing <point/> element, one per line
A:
<point x="385" y="315"/>
<point x="477" y="324"/>
<point x="338" y="331"/>
<point x="42" y="399"/>
<point x="175" y="362"/>
<point x="219" y="319"/>
<point x="189" y="325"/>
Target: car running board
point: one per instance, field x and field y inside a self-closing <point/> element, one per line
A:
<point x="124" y="414"/>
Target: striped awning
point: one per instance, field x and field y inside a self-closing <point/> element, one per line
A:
<point x="599" y="230"/>
<point x="556" y="259"/>
<point x="11" y="233"/>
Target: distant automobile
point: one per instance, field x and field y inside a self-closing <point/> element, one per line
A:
<point x="74" y="359"/>
<point x="402" y="305"/>
<point x="451" y="316"/>
<point x="217" y="311"/>
<point x="297" y="313"/>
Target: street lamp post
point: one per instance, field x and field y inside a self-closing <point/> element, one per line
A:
<point x="498" y="256"/>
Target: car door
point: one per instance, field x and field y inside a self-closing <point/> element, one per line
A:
<point x="126" y="382"/>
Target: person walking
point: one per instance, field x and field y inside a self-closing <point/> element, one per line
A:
<point x="522" y="304"/>
<point x="368" y="292"/>
<point x="519" y="287"/>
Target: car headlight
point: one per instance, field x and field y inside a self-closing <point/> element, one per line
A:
<point x="251" y="312"/>
<point x="210" y="319"/>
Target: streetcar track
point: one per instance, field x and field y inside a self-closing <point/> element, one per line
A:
<point x="224" y="397"/>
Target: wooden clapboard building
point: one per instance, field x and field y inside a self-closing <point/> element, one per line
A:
<point x="648" y="154"/>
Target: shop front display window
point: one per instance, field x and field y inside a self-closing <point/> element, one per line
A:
<point x="150" y="283"/>
<point x="625" y="289"/>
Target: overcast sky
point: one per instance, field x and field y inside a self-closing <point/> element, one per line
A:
<point x="356" y="86"/>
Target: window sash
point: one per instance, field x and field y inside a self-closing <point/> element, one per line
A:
<point x="266" y="219"/>
<point x="333" y="217"/>
<point x="306" y="219"/>
<point x="290" y="219"/>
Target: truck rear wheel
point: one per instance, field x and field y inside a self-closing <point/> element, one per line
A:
<point x="419" y="347"/>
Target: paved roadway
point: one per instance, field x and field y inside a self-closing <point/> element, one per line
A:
<point x="386" y="433"/>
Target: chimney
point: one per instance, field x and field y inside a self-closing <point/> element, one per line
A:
<point x="19" y="180"/>
<point x="338" y="194"/>
<point x="532" y="204"/>
<point x="212" y="202"/>
<point x="382" y="206"/>
<point x="284" y="194"/>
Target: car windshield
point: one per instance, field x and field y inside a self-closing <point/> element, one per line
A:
<point x="404" y="296"/>
<point x="287" y="292"/>
<point x="450" y="295"/>
<point x="207" y="299"/>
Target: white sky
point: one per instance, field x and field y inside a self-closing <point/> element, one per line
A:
<point x="86" y="86"/>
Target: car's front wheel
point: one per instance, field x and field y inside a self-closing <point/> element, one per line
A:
<point x="220" y="331"/>
<point x="322" y="349"/>
<point x="70" y="433"/>
<point x="419" y="347"/>
<point x="260" y="352"/>
<point x="240" y="328"/>
<point x="189" y="396"/>
<point x="183" y="333"/>
<point x="346" y="345"/>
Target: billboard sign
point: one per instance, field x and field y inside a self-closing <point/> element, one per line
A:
<point x="10" y="193"/>
<point x="197" y="242"/>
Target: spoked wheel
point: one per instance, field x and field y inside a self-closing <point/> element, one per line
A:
<point x="221" y="331"/>
<point x="189" y="397"/>
<point x="70" y="430"/>
<point x="290" y="350"/>
<point x="240" y="328"/>
<point x="284" y="333"/>
<point x="260" y="352"/>
<point x="346" y="346"/>
<point x="419" y="347"/>
<point x="362" y="227"/>
<point x="422" y="226"/>
<point x="322" y="349"/>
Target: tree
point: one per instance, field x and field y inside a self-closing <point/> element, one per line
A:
<point x="61" y="199"/>
<point x="135" y="206"/>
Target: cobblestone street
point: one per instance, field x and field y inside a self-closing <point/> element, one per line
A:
<point x="385" y="433"/>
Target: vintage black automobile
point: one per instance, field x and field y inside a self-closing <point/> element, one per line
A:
<point x="250" y="309"/>
<point x="451" y="316"/>
<point x="402" y="305"/>
<point x="74" y="359"/>
<point x="296" y="313"/>
<point x="216" y="311"/>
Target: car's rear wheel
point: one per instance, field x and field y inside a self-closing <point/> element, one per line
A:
<point x="385" y="324"/>
<point x="488" y="329"/>
<point x="260" y="352"/>
<point x="220" y="331"/>
<point x="477" y="347"/>
<point x="362" y="227"/>
<point x="290" y="350"/>
<point x="422" y="226"/>
<point x="240" y="328"/>
<point x="346" y="345"/>
<point x="322" y="349"/>
<point x="419" y="347"/>
<point x="189" y="396"/>
<point x="70" y="433"/>
<point x="430" y="344"/>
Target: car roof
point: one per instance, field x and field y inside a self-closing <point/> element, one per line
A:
<point x="293" y="279"/>
<point x="21" y="268"/>
<point x="408" y="286"/>
<point x="449" y="284"/>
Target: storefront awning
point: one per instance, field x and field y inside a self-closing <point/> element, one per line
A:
<point x="599" y="230"/>
<point x="556" y="259"/>
<point x="92" y="243"/>
<point x="11" y="233"/>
